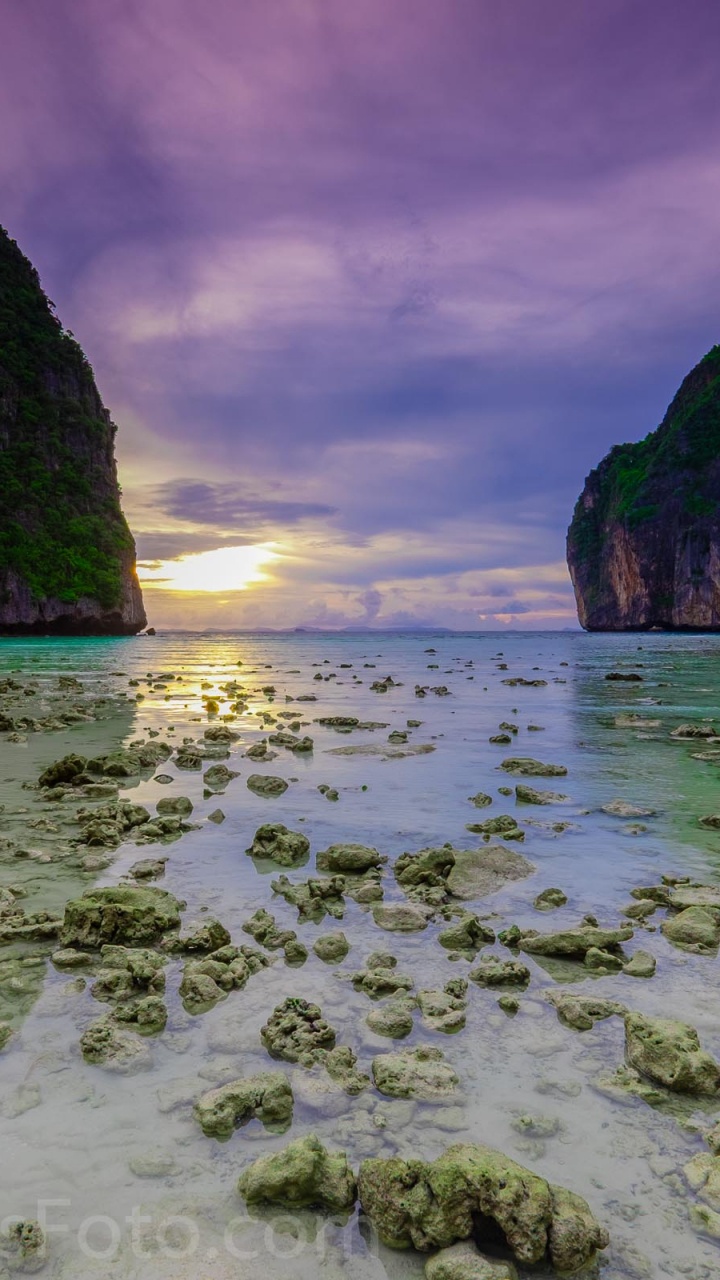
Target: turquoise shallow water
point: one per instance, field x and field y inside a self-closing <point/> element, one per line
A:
<point x="71" y="1132"/>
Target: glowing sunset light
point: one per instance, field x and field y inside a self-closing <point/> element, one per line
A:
<point x="226" y="569"/>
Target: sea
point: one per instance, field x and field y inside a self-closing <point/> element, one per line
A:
<point x="115" y="1166"/>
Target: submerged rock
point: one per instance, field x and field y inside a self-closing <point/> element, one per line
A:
<point x="582" y="1012"/>
<point x="528" y="795"/>
<point x="331" y="947"/>
<point x="694" y="929"/>
<point x="550" y="899"/>
<point x="494" y="972"/>
<point x="528" y="767"/>
<point x="414" y="1073"/>
<point x="474" y="1191"/>
<point x="130" y="915"/>
<point x="267" y="1097"/>
<point x="106" y="1045"/>
<point x="476" y="873"/>
<point x="640" y="965"/>
<point x="297" y="1032"/>
<point x="23" y="1247"/>
<point x="264" y="784"/>
<point x="574" y="944"/>
<point x="444" y="1010"/>
<point x="468" y="935"/>
<point x="393" y="1018"/>
<point x="402" y="917"/>
<point x="464" y="1262"/>
<point x="314" y="898"/>
<point x="273" y="840"/>
<point x="302" y="1175"/>
<point x="348" y="858"/>
<point x="669" y="1053"/>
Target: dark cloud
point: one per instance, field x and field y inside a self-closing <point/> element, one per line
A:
<point x="225" y="505"/>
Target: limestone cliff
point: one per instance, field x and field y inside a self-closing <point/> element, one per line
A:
<point x="67" y="557"/>
<point x="644" y="544"/>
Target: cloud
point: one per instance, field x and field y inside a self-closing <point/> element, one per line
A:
<point x="226" y="505"/>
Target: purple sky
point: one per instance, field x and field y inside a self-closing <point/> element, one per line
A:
<point x="377" y="282"/>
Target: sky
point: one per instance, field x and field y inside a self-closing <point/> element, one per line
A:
<point x="368" y="286"/>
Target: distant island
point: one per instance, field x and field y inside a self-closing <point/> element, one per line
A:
<point x="67" y="557"/>
<point x="643" y="548"/>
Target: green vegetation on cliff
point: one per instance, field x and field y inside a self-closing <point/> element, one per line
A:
<point x="675" y="458"/>
<point x="61" y="527"/>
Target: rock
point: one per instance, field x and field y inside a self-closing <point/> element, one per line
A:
<point x="669" y="1053"/>
<point x="106" y="1045"/>
<point x="494" y="972"/>
<point x="481" y="800"/>
<point x="380" y="980"/>
<point x="341" y="1065"/>
<point x="23" y="1247"/>
<point x="217" y="816"/>
<point x="468" y="934"/>
<point x="401" y="917"/>
<point x="68" y="563"/>
<point x="640" y="965"/>
<point x="504" y="824"/>
<point x="694" y="929"/>
<point x="574" y="944"/>
<point x="393" y="1018"/>
<point x="69" y="958"/>
<point x="694" y="895"/>
<point x="296" y="953"/>
<point x="476" y="1191"/>
<point x="128" y="915"/>
<point x="313" y="898"/>
<point x="527" y="767"/>
<point x="464" y="1262"/>
<point x="420" y="1072"/>
<point x="331" y="947"/>
<point x="203" y="936"/>
<point x="274" y="841"/>
<point x="622" y="809"/>
<point x="180" y="805"/>
<point x="266" y="1097"/>
<point x="217" y="777"/>
<point x="643" y="543"/>
<point x="264" y="784"/>
<point x="297" y="1032"/>
<point x="63" y="771"/>
<point x="550" y="899"/>
<point x="148" y="869"/>
<point x="444" y="1010"/>
<point x="603" y="961"/>
<point x="476" y="873"/>
<point x="302" y="1175"/>
<point x="264" y="929"/>
<point x="528" y="795"/>
<point x="703" y="1175"/>
<point x="428" y="868"/>
<point x="348" y="858"/>
<point x="582" y="1012"/>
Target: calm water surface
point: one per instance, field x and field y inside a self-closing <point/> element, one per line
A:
<point x="78" y="1138"/>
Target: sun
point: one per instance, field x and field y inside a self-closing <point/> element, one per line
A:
<point x="226" y="569"/>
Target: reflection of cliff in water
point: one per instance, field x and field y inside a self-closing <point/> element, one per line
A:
<point x="626" y="751"/>
<point x="37" y="861"/>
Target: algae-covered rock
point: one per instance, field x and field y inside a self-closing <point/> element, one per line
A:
<point x="475" y="1191"/>
<point x="341" y="1065"/>
<point x="528" y="795"/>
<point x="63" y="771"/>
<point x="476" y="873"/>
<point x="106" y="1045"/>
<point x="468" y="934"/>
<point x="420" y="1072"/>
<point x="464" y="1262"/>
<point x="331" y="947"/>
<point x="427" y="868"/>
<point x="314" y="898"/>
<point x="296" y="953"/>
<point x="640" y="965"/>
<point x="179" y="805"/>
<point x="693" y="929"/>
<point x="502" y="825"/>
<point x="574" y="944"/>
<point x="550" y="899"/>
<point x="481" y="800"/>
<point x="401" y="917"/>
<point x="262" y="926"/>
<point x="348" y="858"/>
<point x="302" y="1175"/>
<point x="217" y="777"/>
<point x="582" y="1012"/>
<point x="125" y="914"/>
<point x="264" y="784"/>
<point x="23" y="1247"/>
<point x="381" y="980"/>
<point x="669" y="1053"/>
<point x="527" y="767"/>
<point x="682" y="896"/>
<point x="273" y="840"/>
<point x="297" y="1032"/>
<point x="393" y="1018"/>
<point x="267" y="1097"/>
<point x="444" y="1010"/>
<point x="494" y="972"/>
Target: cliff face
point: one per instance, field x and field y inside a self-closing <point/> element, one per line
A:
<point x="644" y="544"/>
<point x="67" y="557"/>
